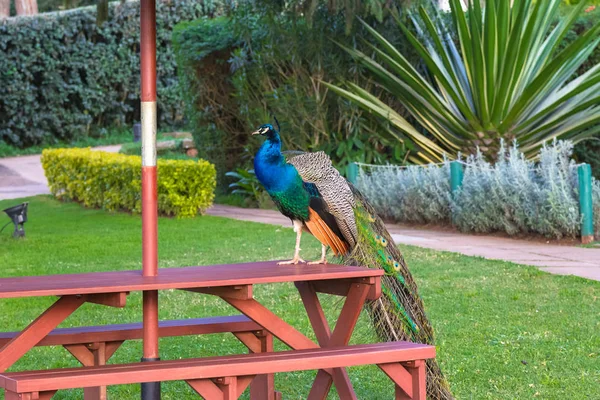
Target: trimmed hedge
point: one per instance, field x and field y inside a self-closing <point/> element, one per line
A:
<point x="62" y="77"/>
<point x="113" y="181"/>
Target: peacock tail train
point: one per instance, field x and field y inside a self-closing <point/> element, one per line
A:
<point x="399" y="313"/>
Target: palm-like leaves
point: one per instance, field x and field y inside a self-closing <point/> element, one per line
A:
<point x="509" y="80"/>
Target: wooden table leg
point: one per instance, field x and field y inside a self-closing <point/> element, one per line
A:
<point x="355" y="300"/>
<point x="93" y="354"/>
<point x="38" y="329"/>
<point x="272" y="323"/>
<point x="262" y="386"/>
<point x="297" y="341"/>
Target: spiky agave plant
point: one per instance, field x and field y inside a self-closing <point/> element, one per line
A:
<point x="509" y="80"/>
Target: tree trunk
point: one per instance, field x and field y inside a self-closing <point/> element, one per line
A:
<point x="26" y="7"/>
<point x="4" y="8"/>
<point x="102" y="12"/>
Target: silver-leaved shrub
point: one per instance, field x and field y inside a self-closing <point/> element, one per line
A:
<point x="513" y="195"/>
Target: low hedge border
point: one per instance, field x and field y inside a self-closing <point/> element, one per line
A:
<point x="113" y="181"/>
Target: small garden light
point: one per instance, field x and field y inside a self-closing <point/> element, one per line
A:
<point x="18" y="215"/>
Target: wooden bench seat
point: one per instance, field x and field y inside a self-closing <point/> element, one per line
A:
<point x="94" y="345"/>
<point x="134" y="331"/>
<point x="226" y="377"/>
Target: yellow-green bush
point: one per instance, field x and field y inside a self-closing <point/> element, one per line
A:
<point x="113" y="181"/>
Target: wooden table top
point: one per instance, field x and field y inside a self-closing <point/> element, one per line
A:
<point x="176" y="278"/>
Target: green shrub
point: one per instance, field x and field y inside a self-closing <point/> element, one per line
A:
<point x="588" y="152"/>
<point x="113" y="181"/>
<point x="62" y="77"/>
<point x="236" y="71"/>
<point x="515" y="195"/>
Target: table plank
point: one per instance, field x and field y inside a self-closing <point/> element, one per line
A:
<point x="176" y="278"/>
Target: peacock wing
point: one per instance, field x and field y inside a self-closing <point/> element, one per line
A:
<point x="316" y="168"/>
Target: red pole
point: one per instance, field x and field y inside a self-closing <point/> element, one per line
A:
<point x="151" y="390"/>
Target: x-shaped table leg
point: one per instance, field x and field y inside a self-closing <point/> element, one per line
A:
<point x="38" y="329"/>
<point x="356" y="296"/>
<point x="50" y="319"/>
<point x="342" y="332"/>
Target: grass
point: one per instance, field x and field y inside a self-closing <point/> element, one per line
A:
<point x="504" y="331"/>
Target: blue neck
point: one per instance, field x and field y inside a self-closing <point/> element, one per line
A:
<point x="270" y="166"/>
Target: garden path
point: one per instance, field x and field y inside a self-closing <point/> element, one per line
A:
<point x="556" y="259"/>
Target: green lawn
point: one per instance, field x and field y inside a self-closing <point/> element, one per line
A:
<point x="504" y="331"/>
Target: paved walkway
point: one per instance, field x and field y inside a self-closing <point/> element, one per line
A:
<point x="24" y="176"/>
<point x="562" y="260"/>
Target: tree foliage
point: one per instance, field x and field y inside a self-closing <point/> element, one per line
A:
<point x="505" y="77"/>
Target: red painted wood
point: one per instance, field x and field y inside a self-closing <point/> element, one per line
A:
<point x="263" y="386"/>
<point x="38" y="329"/>
<point x="177" y="278"/>
<point x="417" y="370"/>
<point x="81" y="353"/>
<point x="342" y="286"/>
<point x="99" y="358"/>
<point x="315" y="312"/>
<point x="120" y="332"/>
<point x="206" y="388"/>
<point x="272" y="323"/>
<point x="236" y="292"/>
<point x="357" y="295"/>
<point x="321" y="386"/>
<point x="229" y="388"/>
<point x="249" y="340"/>
<point x="149" y="193"/>
<point x="242" y="384"/>
<point x="111" y="347"/>
<point x="150" y="324"/>
<point x="46" y="395"/>
<point x="149" y="212"/>
<point x="349" y="315"/>
<point x="401" y="377"/>
<point x="148" y="50"/>
<point x="108" y="299"/>
<point x="215" y="367"/>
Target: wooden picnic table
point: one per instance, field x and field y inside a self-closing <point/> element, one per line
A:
<point x="232" y="283"/>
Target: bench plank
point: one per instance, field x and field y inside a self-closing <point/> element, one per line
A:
<point x="134" y="331"/>
<point x="216" y="367"/>
<point x="177" y="278"/>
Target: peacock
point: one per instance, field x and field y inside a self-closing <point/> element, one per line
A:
<point x="306" y="188"/>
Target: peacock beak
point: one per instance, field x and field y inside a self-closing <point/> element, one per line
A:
<point x="255" y="133"/>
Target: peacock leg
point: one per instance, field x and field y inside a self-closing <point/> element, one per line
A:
<point x="298" y="229"/>
<point x="323" y="259"/>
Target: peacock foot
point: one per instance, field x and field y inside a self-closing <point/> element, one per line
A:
<point x="321" y="261"/>
<point x="294" y="261"/>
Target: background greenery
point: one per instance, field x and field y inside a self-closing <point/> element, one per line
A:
<point x="504" y="331"/>
<point x="514" y="195"/>
<point x="64" y="78"/>
<point x="263" y="59"/>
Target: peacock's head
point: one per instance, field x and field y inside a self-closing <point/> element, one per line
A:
<point x="266" y="130"/>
